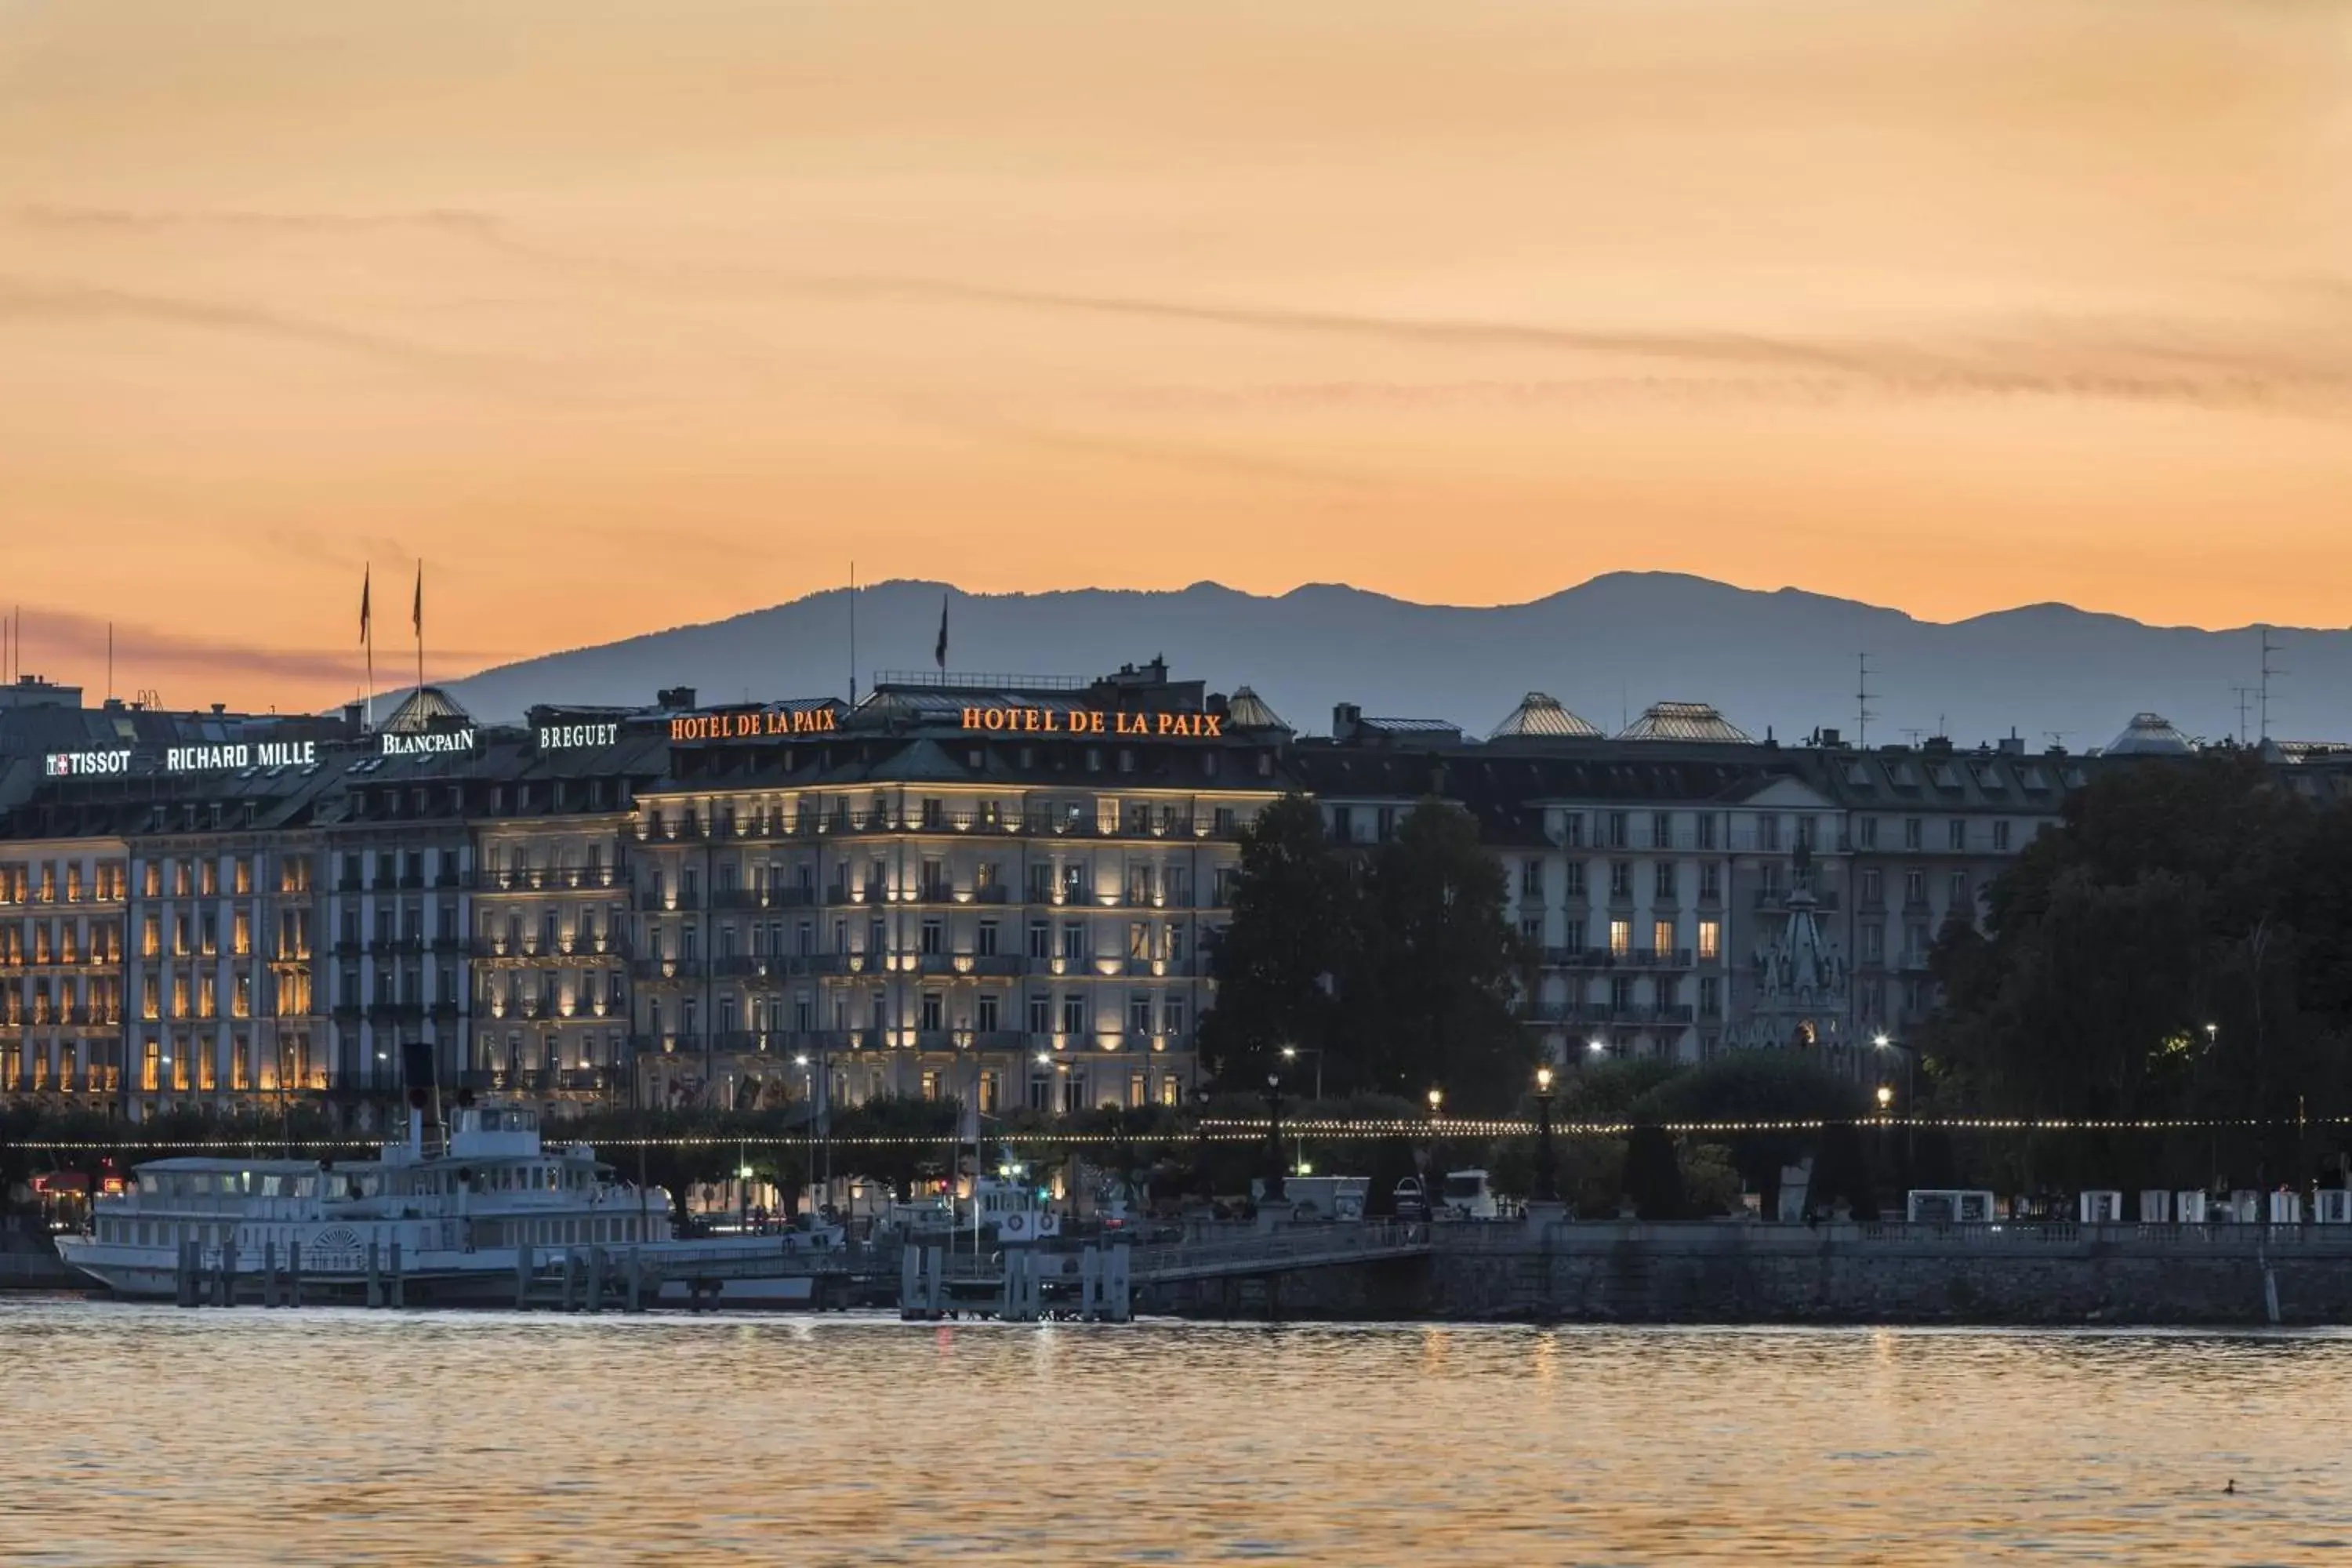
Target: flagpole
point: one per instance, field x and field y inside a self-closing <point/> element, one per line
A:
<point x="417" y="614"/>
<point x="852" y="634"/>
<point x="367" y="637"/>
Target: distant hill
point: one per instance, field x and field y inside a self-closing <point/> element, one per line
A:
<point x="1783" y="661"/>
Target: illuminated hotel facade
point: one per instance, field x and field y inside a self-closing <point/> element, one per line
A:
<point x="1002" y="891"/>
<point x="990" y="889"/>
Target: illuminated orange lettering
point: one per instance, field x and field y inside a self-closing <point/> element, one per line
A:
<point x="1212" y="727"/>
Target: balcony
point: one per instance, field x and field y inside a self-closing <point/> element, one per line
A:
<point x="997" y="894"/>
<point x="1770" y="900"/>
<point x="656" y="901"/>
<point x="784" y="897"/>
<point x="656" y="971"/>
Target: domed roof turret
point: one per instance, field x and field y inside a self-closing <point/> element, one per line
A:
<point x="1685" y="721"/>
<point x="426" y="707"/>
<point x="1539" y="714"/>
<point x="2150" y="735"/>
<point x="1245" y="710"/>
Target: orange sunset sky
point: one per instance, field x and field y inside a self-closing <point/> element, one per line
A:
<point x="623" y="315"/>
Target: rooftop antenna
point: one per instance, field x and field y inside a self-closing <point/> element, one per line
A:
<point x="2243" y="692"/>
<point x="1862" y="714"/>
<point x="852" y="634"/>
<point x="2057" y="739"/>
<point x="1913" y="737"/>
<point x="2268" y="648"/>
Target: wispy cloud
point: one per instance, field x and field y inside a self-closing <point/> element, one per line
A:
<point x="2302" y="367"/>
<point x="40" y="301"/>
<point x="455" y="221"/>
<point x="147" y="656"/>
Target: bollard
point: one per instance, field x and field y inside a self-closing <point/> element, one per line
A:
<point x="399" y="1285"/>
<point x="1119" y="1284"/>
<point x="1090" y="1285"/>
<point x="183" y="1277"/>
<point x="571" y="1279"/>
<point x="910" y="1284"/>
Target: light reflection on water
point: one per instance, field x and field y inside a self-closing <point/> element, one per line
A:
<point x="148" y="1433"/>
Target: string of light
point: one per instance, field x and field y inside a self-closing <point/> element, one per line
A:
<point x="1242" y="1129"/>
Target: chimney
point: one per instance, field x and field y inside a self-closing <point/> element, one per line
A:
<point x="1830" y="740"/>
<point x="2012" y="744"/>
<point x="1345" y="717"/>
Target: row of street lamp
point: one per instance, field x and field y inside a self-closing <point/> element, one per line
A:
<point x="1546" y="1173"/>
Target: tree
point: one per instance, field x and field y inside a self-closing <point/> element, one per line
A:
<point x="1750" y="1087"/>
<point x="1292" y="908"/>
<point x="2178" y="948"/>
<point x="894" y="1138"/>
<point x="1654" y="1179"/>
<point x="1435" y="969"/>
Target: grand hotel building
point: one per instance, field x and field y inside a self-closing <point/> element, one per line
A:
<point x="994" y="888"/>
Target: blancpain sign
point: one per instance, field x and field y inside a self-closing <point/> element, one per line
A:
<point x="86" y="764"/>
<point x="243" y="755"/>
<point x="432" y="745"/>
<point x="563" y="737"/>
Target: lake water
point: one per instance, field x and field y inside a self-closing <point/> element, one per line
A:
<point x="150" y="1434"/>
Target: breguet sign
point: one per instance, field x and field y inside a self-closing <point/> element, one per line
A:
<point x="760" y="724"/>
<point x="1093" y="721"/>
<point x="568" y="737"/>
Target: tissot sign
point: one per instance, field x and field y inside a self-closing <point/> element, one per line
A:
<point x="86" y="764"/>
<point x="1093" y="721"/>
<point x="766" y="724"/>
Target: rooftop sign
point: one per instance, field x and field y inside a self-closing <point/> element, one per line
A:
<point x="207" y="759"/>
<point x="1093" y="721"/>
<point x="571" y="737"/>
<point x="86" y="764"/>
<point x="760" y="724"/>
<point x="433" y="744"/>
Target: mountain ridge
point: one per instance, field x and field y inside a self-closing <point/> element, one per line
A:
<point x="1781" y="660"/>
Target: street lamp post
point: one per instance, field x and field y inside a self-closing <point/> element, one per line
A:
<point x="1546" y="1167"/>
<point x="1290" y="1055"/>
<point x="1274" y="1188"/>
<point x="1910" y="1092"/>
<point x="808" y="1093"/>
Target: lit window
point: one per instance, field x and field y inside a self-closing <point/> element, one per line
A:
<point x="1621" y="938"/>
<point x="1710" y="941"/>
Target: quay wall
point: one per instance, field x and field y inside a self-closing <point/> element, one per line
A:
<point x="1731" y="1273"/>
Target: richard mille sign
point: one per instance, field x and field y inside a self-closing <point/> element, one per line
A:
<point x="242" y="754"/>
<point x="1093" y="721"/>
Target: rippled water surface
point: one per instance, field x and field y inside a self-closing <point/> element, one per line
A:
<point x="150" y="1435"/>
